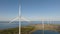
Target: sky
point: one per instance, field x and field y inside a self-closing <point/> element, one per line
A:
<point x="8" y="9"/>
<point x="41" y="9"/>
<point x="31" y="9"/>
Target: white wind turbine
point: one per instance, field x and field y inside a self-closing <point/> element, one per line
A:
<point x="21" y="19"/>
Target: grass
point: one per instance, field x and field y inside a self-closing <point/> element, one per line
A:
<point x="26" y="30"/>
<point x="58" y="29"/>
<point x="10" y="31"/>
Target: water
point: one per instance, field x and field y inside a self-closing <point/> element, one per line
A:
<point x="41" y="31"/>
<point x="45" y="32"/>
<point x="24" y="23"/>
<point x="5" y="24"/>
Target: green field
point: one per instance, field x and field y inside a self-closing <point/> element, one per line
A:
<point x="10" y="31"/>
<point x="26" y="30"/>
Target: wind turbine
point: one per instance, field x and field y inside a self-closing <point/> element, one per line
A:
<point x="42" y="24"/>
<point x="13" y="19"/>
<point x="21" y="19"/>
